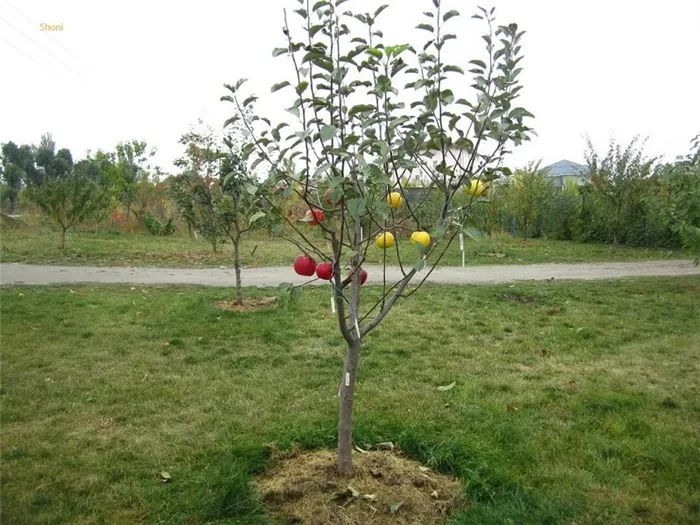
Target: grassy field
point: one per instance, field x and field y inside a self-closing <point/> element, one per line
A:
<point x="40" y="245"/>
<point x="574" y="402"/>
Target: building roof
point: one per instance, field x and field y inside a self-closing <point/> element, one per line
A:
<point x="565" y="167"/>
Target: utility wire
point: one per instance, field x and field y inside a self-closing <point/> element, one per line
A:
<point x="50" y="37"/>
<point x="41" y="46"/>
<point x="26" y="55"/>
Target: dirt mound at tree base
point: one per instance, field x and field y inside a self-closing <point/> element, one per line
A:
<point x="305" y="488"/>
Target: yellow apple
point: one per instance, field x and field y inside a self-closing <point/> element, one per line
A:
<point x="385" y="240"/>
<point x="394" y="199"/>
<point x="420" y="238"/>
<point x="475" y="188"/>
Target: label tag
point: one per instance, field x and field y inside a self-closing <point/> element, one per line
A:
<point x="347" y="378"/>
<point x="461" y="242"/>
<point x="332" y="304"/>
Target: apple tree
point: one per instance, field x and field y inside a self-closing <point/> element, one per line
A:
<point x="64" y="191"/>
<point x="367" y="113"/>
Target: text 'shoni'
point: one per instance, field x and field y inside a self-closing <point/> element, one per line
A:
<point x="51" y="27"/>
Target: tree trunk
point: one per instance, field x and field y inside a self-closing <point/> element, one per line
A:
<point x="237" y="268"/>
<point x="347" y="397"/>
<point x="64" y="232"/>
<point x="213" y="245"/>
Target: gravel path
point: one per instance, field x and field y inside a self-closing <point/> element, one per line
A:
<point x="13" y="273"/>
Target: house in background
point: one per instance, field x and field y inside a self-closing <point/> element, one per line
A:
<point x="565" y="170"/>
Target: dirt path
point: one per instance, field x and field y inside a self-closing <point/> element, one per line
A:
<point x="12" y="273"/>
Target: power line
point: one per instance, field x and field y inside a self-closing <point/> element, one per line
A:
<point x="39" y="45"/>
<point x="50" y="37"/>
<point x="23" y="53"/>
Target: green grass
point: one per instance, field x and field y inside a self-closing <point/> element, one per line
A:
<point x="40" y="245"/>
<point x="574" y="402"/>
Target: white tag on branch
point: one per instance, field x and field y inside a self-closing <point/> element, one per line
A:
<point x="332" y="304"/>
<point x="445" y="388"/>
<point x="347" y="378"/>
<point x="461" y="242"/>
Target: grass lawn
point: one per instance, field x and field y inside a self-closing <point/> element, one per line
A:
<point x="40" y="245"/>
<point x="574" y="402"/>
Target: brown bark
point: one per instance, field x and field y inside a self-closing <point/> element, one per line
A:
<point x="237" y="268"/>
<point x="64" y="233"/>
<point x="347" y="398"/>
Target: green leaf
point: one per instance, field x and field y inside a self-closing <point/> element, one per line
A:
<point x="279" y="51"/>
<point x="420" y="264"/>
<point x="439" y="231"/>
<point x="520" y="112"/>
<point x="447" y="96"/>
<point x="360" y="108"/>
<point x="479" y="63"/>
<point x="376" y="53"/>
<point x="328" y="132"/>
<point x="322" y="168"/>
<point x="357" y="207"/>
<point x="250" y="100"/>
<point x="454" y="69"/>
<point x="256" y="216"/>
<point x="426" y="27"/>
<point x="383" y="210"/>
<point x="473" y="233"/>
<point x="379" y="10"/>
<point x="450" y="14"/>
<point x="277" y="87"/>
<point x="302" y="87"/>
<point x="251" y="188"/>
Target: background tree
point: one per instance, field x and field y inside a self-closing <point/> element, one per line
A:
<point x="240" y="205"/>
<point x="67" y="194"/>
<point x="18" y="166"/>
<point x="527" y="195"/>
<point x="357" y="129"/>
<point x="683" y="179"/>
<point x="194" y="188"/>
<point x="618" y="179"/>
<point x="130" y="166"/>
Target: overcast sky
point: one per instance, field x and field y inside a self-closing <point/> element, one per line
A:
<point x="149" y="69"/>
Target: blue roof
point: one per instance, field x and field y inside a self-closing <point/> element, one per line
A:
<point x="566" y="167"/>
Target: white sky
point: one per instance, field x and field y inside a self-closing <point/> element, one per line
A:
<point x="149" y="69"/>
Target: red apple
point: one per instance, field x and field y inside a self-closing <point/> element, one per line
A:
<point x="324" y="271"/>
<point x="363" y="277"/>
<point x="304" y="265"/>
<point x="328" y="196"/>
<point x="314" y="217"/>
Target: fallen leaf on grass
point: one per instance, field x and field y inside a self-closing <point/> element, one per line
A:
<point x="570" y="382"/>
<point x="370" y="497"/>
<point x="165" y="476"/>
<point x="424" y="469"/>
<point x="434" y="494"/>
<point x="346" y="496"/>
<point x="361" y="450"/>
<point x="394" y="507"/>
<point x="387" y="445"/>
<point x="447" y="387"/>
<point x="511" y="408"/>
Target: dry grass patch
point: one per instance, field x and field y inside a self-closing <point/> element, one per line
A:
<point x="387" y="487"/>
